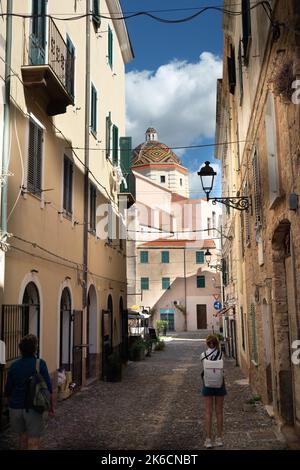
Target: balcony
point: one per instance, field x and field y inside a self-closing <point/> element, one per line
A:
<point x="48" y="69"/>
<point x="128" y="191"/>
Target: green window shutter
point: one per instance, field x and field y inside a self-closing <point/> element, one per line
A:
<point x="107" y="134"/>
<point x="110" y="47"/>
<point x="68" y="185"/>
<point x="199" y="257"/>
<point x="96" y="13"/>
<point x="115" y="139"/>
<point x="165" y="283"/>
<point x="34" y="176"/>
<point x="165" y="258"/>
<point x="144" y="257"/>
<point x="70" y="65"/>
<point x="93" y="109"/>
<point x="144" y="283"/>
<point x="200" y="281"/>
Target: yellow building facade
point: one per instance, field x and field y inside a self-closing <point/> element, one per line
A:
<point x="65" y="270"/>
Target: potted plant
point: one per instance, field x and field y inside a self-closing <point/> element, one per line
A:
<point x="137" y="351"/>
<point x="114" y="368"/>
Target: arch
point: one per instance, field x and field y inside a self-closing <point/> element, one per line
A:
<point x="91" y="332"/>
<point x="31" y="300"/>
<point x="66" y="330"/>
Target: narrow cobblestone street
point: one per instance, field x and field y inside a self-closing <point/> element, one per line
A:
<point x="158" y="406"/>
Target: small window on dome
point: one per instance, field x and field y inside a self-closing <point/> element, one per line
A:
<point x="162" y="179"/>
<point x="180" y="181"/>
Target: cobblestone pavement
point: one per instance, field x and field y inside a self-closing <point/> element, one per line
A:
<point x="158" y="406"/>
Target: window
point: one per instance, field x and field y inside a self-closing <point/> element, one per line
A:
<point x="273" y="177"/>
<point x="144" y="283"/>
<point x="240" y="59"/>
<point x="243" y="329"/>
<point x="246" y="22"/>
<point x="214" y="222"/>
<point x="180" y="181"/>
<point x="95" y="14"/>
<point x="200" y="281"/>
<point x="165" y="283"/>
<point x="231" y="70"/>
<point x="162" y="178"/>
<point x="34" y="177"/>
<point x="256" y="190"/>
<point x="199" y="257"/>
<point x="144" y="257"/>
<point x="68" y="185"/>
<point x="209" y="226"/>
<point x="107" y="134"/>
<point x="93" y="204"/>
<point x="165" y="258"/>
<point x="93" y="109"/>
<point x="38" y="33"/>
<point x="225" y="271"/>
<point x="70" y="67"/>
<point x="110" y="47"/>
<point x="254" y="355"/>
<point x="115" y="145"/>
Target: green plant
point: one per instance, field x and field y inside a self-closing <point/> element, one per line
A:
<point x="219" y="336"/>
<point x="254" y="399"/>
<point x="160" y="345"/>
<point x="161" y="325"/>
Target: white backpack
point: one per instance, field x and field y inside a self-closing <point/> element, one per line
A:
<point x="213" y="373"/>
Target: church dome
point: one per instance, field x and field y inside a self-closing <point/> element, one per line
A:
<point x="153" y="152"/>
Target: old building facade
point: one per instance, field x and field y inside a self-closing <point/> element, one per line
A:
<point x="65" y="275"/>
<point x="169" y="234"/>
<point x="258" y="114"/>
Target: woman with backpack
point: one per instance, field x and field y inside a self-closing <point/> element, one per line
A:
<point x="213" y="390"/>
<point x="25" y="420"/>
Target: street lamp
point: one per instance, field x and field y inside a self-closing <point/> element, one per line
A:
<point x="207" y="176"/>
<point x="207" y="256"/>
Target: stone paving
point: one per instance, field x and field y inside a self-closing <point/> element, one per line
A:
<point x="158" y="406"/>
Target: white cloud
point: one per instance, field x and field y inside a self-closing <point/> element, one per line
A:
<point x="179" y="100"/>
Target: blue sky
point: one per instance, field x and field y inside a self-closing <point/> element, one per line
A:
<point x="171" y="82"/>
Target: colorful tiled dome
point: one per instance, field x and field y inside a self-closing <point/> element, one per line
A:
<point x="153" y="152"/>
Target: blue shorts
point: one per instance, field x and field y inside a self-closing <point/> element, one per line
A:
<point x="214" y="392"/>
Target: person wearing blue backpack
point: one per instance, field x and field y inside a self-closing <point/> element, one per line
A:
<point x="24" y="420"/>
<point x="213" y="389"/>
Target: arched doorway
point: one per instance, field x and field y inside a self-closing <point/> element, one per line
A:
<point x="91" y="333"/>
<point x="283" y="307"/>
<point x="31" y="318"/>
<point x="66" y="336"/>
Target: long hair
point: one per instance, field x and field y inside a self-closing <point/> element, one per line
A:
<point x="213" y="339"/>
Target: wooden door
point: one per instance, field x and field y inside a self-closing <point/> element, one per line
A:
<point x="201" y="317"/>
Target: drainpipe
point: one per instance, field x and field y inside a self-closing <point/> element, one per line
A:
<point x="185" y="296"/>
<point x="86" y="171"/>
<point x="6" y="139"/>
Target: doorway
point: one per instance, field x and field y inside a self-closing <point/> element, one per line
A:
<point x="201" y="317"/>
<point x="31" y="302"/>
<point x="66" y="340"/>
<point x="267" y="349"/>
<point x="91" y="333"/>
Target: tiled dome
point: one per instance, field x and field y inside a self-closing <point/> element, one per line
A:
<point x="152" y="151"/>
